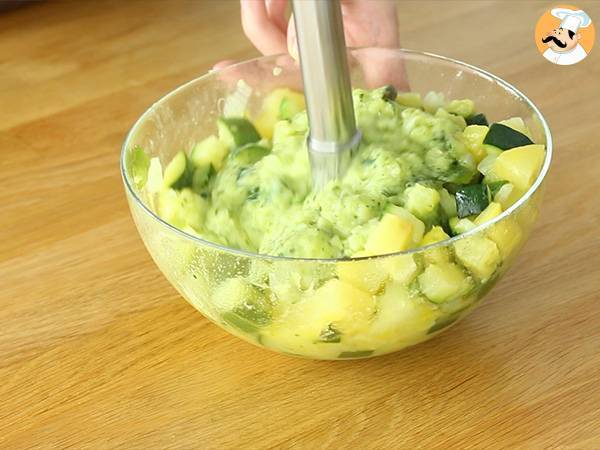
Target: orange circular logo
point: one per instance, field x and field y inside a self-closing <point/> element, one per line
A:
<point x="565" y="35"/>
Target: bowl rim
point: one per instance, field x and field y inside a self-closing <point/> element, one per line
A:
<point x="245" y="253"/>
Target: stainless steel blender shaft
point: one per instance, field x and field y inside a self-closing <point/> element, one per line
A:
<point x="322" y="50"/>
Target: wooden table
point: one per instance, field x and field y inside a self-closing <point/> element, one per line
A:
<point x="97" y="350"/>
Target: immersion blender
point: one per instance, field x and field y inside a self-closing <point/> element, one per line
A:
<point x="322" y="50"/>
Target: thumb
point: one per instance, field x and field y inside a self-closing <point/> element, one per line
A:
<point x="292" y="39"/>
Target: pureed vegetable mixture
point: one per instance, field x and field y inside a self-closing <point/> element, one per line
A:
<point x="425" y="170"/>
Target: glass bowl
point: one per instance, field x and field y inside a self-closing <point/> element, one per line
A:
<point x="306" y="296"/>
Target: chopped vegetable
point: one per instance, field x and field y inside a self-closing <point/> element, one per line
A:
<point x="471" y="199"/>
<point x="505" y="137"/>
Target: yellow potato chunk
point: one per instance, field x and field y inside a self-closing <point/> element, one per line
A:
<point x="493" y="209"/>
<point x="368" y="275"/>
<point x="392" y="234"/>
<point x="341" y="305"/>
<point x="479" y="255"/>
<point x="507" y="235"/>
<point x="520" y="165"/>
<point x="443" y="282"/>
<point x="278" y="105"/>
<point x="473" y="136"/>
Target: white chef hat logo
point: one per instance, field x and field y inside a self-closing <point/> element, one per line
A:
<point x="567" y="42"/>
<point x="570" y="19"/>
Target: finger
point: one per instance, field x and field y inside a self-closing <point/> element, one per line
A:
<point x="222" y="64"/>
<point x="370" y="24"/>
<point x="292" y="39"/>
<point x="276" y="13"/>
<point x="262" y="32"/>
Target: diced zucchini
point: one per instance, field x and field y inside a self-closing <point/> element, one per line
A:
<point x="505" y="137"/>
<point x="507" y="195"/>
<point x="418" y="227"/>
<point x="209" y="151"/>
<point x="473" y="136"/>
<point x="479" y="255"/>
<point x="137" y="163"/>
<point x="181" y="208"/>
<point x="280" y="104"/>
<point x="236" y="131"/>
<point x="460" y="226"/>
<point x="368" y="275"/>
<point x="249" y="154"/>
<point x="443" y="282"/>
<point x="410" y="99"/>
<point x="201" y="178"/>
<point x="493" y="210"/>
<point x="495" y="186"/>
<point x="477" y="119"/>
<point x="392" y="234"/>
<point x="243" y="305"/>
<point x="471" y="200"/>
<point x="520" y="165"/>
<point x="179" y="172"/>
<point x="389" y="93"/>
<point x="155" y="176"/>
<point x="463" y="107"/>
<point x="422" y="201"/>
<point x="516" y="123"/>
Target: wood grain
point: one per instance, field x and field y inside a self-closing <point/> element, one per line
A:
<point x="98" y="351"/>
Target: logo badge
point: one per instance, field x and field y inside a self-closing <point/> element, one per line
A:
<point x="565" y="35"/>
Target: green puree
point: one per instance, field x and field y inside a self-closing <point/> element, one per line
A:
<point x="418" y="161"/>
<point x="269" y="207"/>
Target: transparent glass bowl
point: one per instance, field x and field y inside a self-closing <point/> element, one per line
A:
<point x="306" y="294"/>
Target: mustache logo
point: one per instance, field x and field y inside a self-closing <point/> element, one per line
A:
<point x="555" y="40"/>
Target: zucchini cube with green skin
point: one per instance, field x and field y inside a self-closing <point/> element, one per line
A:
<point x="209" y="152"/>
<point x="442" y="282"/>
<point x="479" y="255"/>
<point x="137" y="163"/>
<point x="249" y="154"/>
<point x="477" y="119"/>
<point x="505" y="137"/>
<point x="243" y="305"/>
<point x="472" y="199"/>
<point x="460" y="226"/>
<point x="237" y="131"/>
<point x="179" y="172"/>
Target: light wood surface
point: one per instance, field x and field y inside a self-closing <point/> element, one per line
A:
<point x="97" y="350"/>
